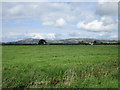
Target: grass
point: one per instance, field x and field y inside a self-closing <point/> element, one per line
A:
<point x="60" y="66"/>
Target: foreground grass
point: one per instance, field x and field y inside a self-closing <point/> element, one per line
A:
<point x="47" y="66"/>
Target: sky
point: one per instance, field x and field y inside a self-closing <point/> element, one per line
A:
<point x="59" y="20"/>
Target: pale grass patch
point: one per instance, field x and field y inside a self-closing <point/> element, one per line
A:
<point x="69" y="77"/>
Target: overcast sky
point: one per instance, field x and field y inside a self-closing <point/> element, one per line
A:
<point x="59" y="20"/>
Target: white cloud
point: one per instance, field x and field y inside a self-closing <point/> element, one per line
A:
<point x="107" y="20"/>
<point x="107" y="35"/>
<point x="89" y="17"/>
<point x="43" y="12"/>
<point x="34" y="10"/>
<point x="13" y="36"/>
<point x="16" y="10"/>
<point x="105" y="24"/>
<point x="103" y="1"/>
<point x="60" y="22"/>
<point x="71" y="18"/>
<point x="41" y="35"/>
<point x="42" y="20"/>
<point x="34" y="6"/>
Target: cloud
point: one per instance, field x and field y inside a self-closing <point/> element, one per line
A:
<point x="103" y="1"/>
<point x="41" y="35"/>
<point x="33" y="10"/>
<point x="13" y="36"/>
<point x="107" y="8"/>
<point x="75" y="34"/>
<point x="16" y="10"/>
<point x="48" y="23"/>
<point x="107" y="35"/>
<point x="71" y="18"/>
<point x="105" y="24"/>
<point x="44" y="12"/>
<point x="107" y="20"/>
<point x="59" y="22"/>
<point x="44" y="20"/>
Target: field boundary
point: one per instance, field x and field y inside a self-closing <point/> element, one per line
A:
<point x="65" y="44"/>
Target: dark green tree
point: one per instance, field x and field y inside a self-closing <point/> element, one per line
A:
<point x="42" y="42"/>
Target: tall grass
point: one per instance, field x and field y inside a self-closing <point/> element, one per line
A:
<point x="60" y="66"/>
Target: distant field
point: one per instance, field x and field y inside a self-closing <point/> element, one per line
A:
<point x="59" y="66"/>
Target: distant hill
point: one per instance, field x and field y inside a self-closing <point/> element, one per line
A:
<point x="29" y="40"/>
<point x="70" y="40"/>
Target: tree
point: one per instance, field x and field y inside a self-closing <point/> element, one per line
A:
<point x="95" y="42"/>
<point x="80" y="42"/>
<point x="42" y="42"/>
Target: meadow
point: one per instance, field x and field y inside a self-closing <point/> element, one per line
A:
<point x="60" y="66"/>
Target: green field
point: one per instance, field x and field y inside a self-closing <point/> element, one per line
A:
<point x="60" y="66"/>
